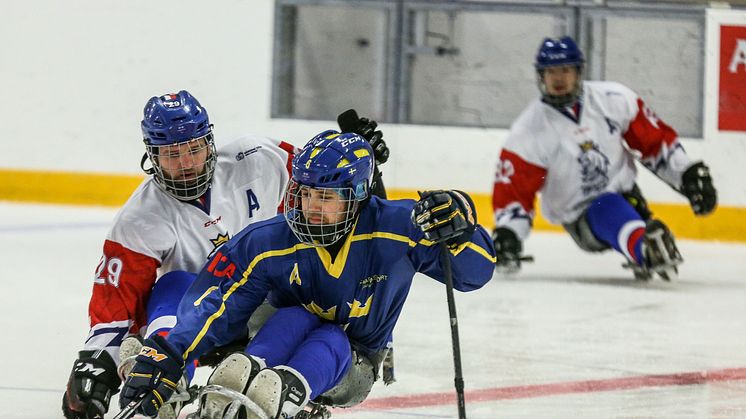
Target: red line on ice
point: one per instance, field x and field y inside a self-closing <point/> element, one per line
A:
<point x="551" y="389"/>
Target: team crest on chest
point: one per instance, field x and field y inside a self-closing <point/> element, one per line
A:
<point x="594" y="168"/>
<point x="328" y="314"/>
<point x="358" y="309"/>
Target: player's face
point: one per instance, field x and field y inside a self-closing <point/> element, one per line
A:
<point x="560" y="80"/>
<point x="184" y="161"/>
<point x="322" y="206"/>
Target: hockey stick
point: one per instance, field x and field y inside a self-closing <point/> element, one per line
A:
<point x="458" y="378"/>
<point x="131" y="408"/>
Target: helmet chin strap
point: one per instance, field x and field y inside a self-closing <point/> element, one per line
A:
<point x="149" y="171"/>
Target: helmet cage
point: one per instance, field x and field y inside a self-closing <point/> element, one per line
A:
<point x="184" y="184"/>
<point x="320" y="233"/>
<point x="560" y="101"/>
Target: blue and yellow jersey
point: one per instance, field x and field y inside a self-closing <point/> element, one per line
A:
<point x="362" y="289"/>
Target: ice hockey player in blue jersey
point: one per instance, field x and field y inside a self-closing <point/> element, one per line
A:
<point x="338" y="265"/>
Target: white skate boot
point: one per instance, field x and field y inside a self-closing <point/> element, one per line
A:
<point x="280" y="392"/>
<point x="224" y="395"/>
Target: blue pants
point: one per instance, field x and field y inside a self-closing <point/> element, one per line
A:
<point x="616" y="223"/>
<point x="294" y="337"/>
<point x="164" y="303"/>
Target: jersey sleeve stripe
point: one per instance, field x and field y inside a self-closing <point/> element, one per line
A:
<point x="647" y="133"/>
<point x="423" y="242"/>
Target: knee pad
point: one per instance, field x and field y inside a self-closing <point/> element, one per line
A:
<point x="259" y="317"/>
<point x="355" y="385"/>
<point x="581" y="233"/>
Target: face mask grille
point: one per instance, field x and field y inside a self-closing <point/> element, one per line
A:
<point x="560" y="101"/>
<point x="184" y="170"/>
<point x="320" y="216"/>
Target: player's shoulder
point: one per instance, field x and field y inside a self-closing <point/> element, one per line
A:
<point x="146" y="222"/>
<point x="532" y="114"/>
<point x="614" y="99"/>
<point x="250" y="144"/>
<point x="608" y="89"/>
<point x="529" y="123"/>
<point x="531" y="134"/>
<point x="391" y="215"/>
<point x="244" y="146"/>
<point x="253" y="156"/>
<point x="148" y="204"/>
<point x="392" y="206"/>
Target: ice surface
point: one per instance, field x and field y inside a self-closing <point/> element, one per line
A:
<point x="571" y="336"/>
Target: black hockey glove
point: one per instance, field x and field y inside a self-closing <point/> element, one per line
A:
<point x="349" y="122"/>
<point x="508" y="248"/>
<point x="696" y="185"/>
<point x="445" y="216"/>
<point x="92" y="382"/>
<point x="154" y="377"/>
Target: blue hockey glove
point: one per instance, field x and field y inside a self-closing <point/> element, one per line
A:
<point x="154" y="377"/>
<point x="508" y="248"/>
<point x="92" y="383"/>
<point x="350" y="122"/>
<point x="696" y="185"/>
<point x="445" y="216"/>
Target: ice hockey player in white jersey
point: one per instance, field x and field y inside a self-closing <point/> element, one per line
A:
<point x="576" y="146"/>
<point x="196" y="199"/>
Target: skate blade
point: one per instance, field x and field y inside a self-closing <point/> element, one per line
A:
<point x="237" y="401"/>
<point x="640" y="273"/>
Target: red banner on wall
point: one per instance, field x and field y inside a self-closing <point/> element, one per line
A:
<point x="732" y="99"/>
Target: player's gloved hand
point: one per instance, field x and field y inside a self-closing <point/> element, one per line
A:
<point x="154" y="377"/>
<point x="445" y="216"/>
<point x="696" y="185"/>
<point x="350" y="122"/>
<point x="92" y="383"/>
<point x="508" y="248"/>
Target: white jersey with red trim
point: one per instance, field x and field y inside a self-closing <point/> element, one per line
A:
<point x="573" y="155"/>
<point x="154" y="233"/>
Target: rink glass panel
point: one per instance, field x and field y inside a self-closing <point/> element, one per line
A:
<point x="471" y="63"/>
<point x="657" y="53"/>
<point x="473" y="67"/>
<point x="331" y="56"/>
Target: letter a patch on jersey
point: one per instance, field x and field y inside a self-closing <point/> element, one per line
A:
<point x="294" y="276"/>
<point x="253" y="202"/>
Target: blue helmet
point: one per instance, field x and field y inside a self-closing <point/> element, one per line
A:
<point x="174" y="118"/>
<point x="179" y="142"/>
<point x="335" y="167"/>
<point x="562" y="51"/>
<point x="334" y="160"/>
<point x="559" y="52"/>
